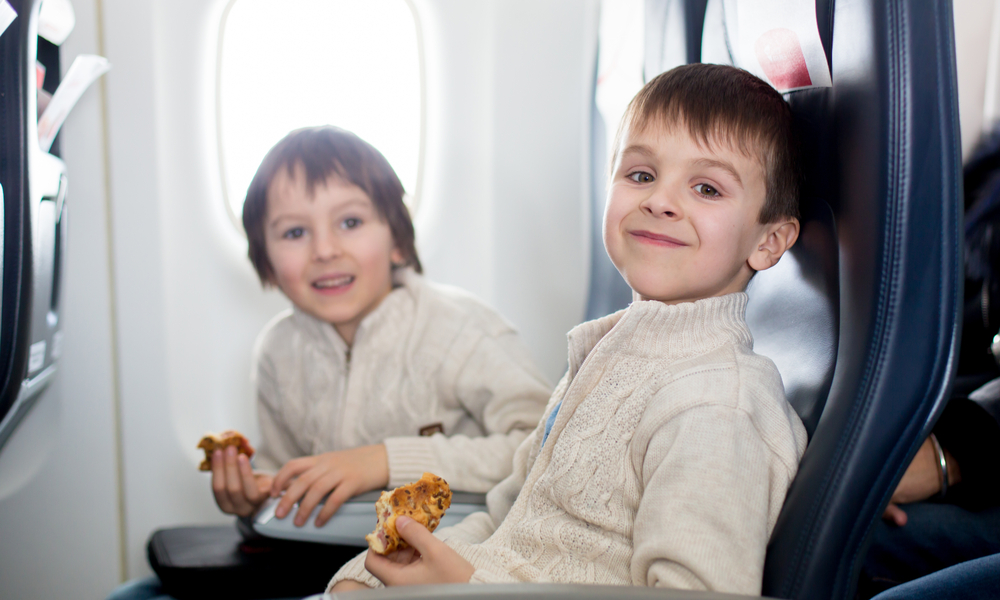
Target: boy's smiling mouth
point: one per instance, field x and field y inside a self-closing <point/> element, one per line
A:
<point x="656" y="239"/>
<point x="333" y="282"/>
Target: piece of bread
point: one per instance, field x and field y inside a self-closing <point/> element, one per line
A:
<point x="423" y="501"/>
<point x="219" y="441"/>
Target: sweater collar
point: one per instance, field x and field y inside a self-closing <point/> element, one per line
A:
<point x="665" y="331"/>
<point x="397" y="306"/>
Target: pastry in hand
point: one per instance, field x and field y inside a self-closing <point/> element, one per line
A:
<point x="220" y="441"/>
<point x="423" y="501"/>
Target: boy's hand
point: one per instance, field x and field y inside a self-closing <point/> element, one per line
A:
<point x="345" y="473"/>
<point x="427" y="560"/>
<point x="237" y="490"/>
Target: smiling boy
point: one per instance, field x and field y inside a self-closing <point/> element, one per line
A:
<point x="375" y="374"/>
<point x="668" y="447"/>
<point x="340" y="276"/>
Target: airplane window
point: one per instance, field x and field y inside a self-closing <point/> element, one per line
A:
<point x="619" y="64"/>
<point x="285" y="64"/>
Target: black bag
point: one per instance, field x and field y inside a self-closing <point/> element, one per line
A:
<point x="203" y="562"/>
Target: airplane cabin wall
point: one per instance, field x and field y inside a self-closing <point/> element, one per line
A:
<point x="502" y="212"/>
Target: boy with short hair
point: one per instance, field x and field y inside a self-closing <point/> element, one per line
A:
<point x="375" y="374"/>
<point x="667" y="449"/>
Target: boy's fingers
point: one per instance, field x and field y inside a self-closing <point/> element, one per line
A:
<point x="290" y="471"/>
<point x="404" y="556"/>
<point x="234" y="481"/>
<point x="263" y="485"/>
<point x="415" y="534"/>
<point x="294" y="493"/>
<point x="285" y="504"/>
<point x="250" y="490"/>
<point x="234" y="484"/>
<point x="283" y="478"/>
<point x="309" y="502"/>
<point x="219" y="483"/>
<point x="281" y="481"/>
<point x="218" y="473"/>
<point x="390" y="572"/>
<point x="340" y="494"/>
<point x="379" y="566"/>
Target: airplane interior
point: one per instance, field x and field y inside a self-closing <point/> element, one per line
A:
<point x="130" y="131"/>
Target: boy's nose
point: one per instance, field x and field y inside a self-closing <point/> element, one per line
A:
<point x="662" y="203"/>
<point x="326" y="247"/>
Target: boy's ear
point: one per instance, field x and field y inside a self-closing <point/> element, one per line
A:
<point x="778" y="238"/>
<point x="396" y="257"/>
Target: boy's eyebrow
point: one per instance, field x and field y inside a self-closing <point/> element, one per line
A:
<point x="720" y="164"/>
<point x="643" y="149"/>
<point x="272" y="221"/>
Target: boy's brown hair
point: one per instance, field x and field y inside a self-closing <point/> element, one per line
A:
<point x="719" y="104"/>
<point x="323" y="152"/>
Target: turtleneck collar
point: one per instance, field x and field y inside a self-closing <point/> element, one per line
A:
<point x="665" y="331"/>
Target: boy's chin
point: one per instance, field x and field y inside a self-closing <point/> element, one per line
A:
<point x="659" y="296"/>
<point x="658" y="292"/>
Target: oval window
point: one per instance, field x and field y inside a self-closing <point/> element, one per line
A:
<point x="285" y="64"/>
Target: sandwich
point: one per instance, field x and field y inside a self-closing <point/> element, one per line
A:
<point x="423" y="501"/>
<point x="220" y="441"/>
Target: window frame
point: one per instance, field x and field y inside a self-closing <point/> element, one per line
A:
<point x="412" y="199"/>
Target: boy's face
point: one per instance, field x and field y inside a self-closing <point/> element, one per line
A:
<point x="331" y="252"/>
<point x="681" y="221"/>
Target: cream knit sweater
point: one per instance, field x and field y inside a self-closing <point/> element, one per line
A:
<point x="667" y="464"/>
<point x="428" y="354"/>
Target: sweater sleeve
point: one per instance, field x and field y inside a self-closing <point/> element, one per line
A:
<point x="703" y="520"/>
<point x="473" y="529"/>
<point x="501" y="389"/>
<point x="277" y="445"/>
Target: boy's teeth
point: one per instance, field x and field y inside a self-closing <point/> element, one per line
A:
<point x="339" y="281"/>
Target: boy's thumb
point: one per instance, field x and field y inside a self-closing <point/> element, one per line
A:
<point x="413" y="532"/>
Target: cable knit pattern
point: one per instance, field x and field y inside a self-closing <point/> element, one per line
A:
<point x="427" y="354"/>
<point x="667" y="464"/>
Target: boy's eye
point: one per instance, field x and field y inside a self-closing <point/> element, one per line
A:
<point x="351" y="223"/>
<point x="294" y="233"/>
<point x="641" y="177"/>
<point x="706" y="190"/>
